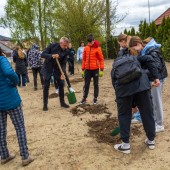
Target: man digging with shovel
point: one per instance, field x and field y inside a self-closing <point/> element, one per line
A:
<point x="51" y="53"/>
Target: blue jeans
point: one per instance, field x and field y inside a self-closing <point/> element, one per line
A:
<point x="23" y="77"/>
<point x="137" y="116"/>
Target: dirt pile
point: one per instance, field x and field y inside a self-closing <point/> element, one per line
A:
<point x="91" y="109"/>
<point x="101" y="130"/>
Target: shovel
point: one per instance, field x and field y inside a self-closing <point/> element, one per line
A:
<point x="115" y="131"/>
<point x="71" y="95"/>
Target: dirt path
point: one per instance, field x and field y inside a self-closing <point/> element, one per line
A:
<point x="61" y="140"/>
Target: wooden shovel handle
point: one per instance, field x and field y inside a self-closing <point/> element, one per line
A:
<point x="59" y="66"/>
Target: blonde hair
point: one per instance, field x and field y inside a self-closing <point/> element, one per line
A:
<point x="122" y="37"/>
<point x="147" y="40"/>
<point x="65" y="39"/>
<point x="20" y="52"/>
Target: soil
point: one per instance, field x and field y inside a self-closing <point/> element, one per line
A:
<point x="91" y="109"/>
<point x="101" y="130"/>
<point x="61" y="140"/>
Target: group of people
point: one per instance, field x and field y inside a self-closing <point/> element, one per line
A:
<point x="139" y="91"/>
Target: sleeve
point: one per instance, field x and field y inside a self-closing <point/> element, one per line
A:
<point x="149" y="62"/>
<point x="101" y="59"/>
<point x="46" y="54"/>
<point x="14" y="56"/>
<point x="78" y="54"/>
<point x="8" y="71"/>
<point x="84" y="59"/>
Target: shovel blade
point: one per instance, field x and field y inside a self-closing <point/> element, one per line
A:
<point x="71" y="98"/>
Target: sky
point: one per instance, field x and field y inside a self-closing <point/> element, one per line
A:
<point x="134" y="10"/>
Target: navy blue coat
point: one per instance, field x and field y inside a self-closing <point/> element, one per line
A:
<point x="50" y="66"/>
<point x="9" y="96"/>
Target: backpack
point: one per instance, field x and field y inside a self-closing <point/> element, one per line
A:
<point x="126" y="69"/>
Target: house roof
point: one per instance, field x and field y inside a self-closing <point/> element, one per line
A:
<point x="3" y="38"/>
<point x="166" y="14"/>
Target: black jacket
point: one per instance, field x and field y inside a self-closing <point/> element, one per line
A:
<point x="71" y="54"/>
<point x="20" y="64"/>
<point x="136" y="86"/>
<point x="50" y="66"/>
<point x="159" y="63"/>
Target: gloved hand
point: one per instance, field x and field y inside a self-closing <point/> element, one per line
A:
<point x="72" y="90"/>
<point x="83" y="73"/>
<point x="101" y="73"/>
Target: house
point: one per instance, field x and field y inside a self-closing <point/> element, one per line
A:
<point x="159" y="20"/>
<point x="6" y="45"/>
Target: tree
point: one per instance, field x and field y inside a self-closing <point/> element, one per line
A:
<point x="133" y="32"/>
<point x="125" y="31"/>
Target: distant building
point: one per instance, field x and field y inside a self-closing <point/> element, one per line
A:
<point x="6" y="45"/>
<point x="159" y="20"/>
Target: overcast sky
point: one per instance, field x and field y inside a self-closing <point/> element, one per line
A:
<point x="136" y="10"/>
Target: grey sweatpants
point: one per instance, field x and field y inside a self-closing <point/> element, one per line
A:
<point x="157" y="104"/>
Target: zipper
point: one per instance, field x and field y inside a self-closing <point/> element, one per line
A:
<point x="89" y="57"/>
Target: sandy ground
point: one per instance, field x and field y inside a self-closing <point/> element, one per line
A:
<point x="60" y="141"/>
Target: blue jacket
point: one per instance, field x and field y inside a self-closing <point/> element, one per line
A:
<point x="9" y="96"/>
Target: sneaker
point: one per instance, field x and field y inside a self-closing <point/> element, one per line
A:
<point x="95" y="101"/>
<point x="159" y="129"/>
<point x="27" y="161"/>
<point x="57" y="91"/>
<point x="72" y="90"/>
<point x="11" y="157"/>
<point x="150" y="144"/>
<point x="135" y="121"/>
<point x="123" y="147"/>
<point x="45" y="108"/>
<point x="83" y="101"/>
<point x="64" y="105"/>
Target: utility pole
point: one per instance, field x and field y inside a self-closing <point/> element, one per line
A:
<point x="149" y="11"/>
<point x="108" y="24"/>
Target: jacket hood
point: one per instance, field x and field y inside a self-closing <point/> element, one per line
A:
<point x="151" y="44"/>
<point x="35" y="47"/>
<point x="96" y="44"/>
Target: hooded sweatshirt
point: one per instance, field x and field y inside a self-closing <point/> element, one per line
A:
<point x="92" y="57"/>
<point x="34" y="57"/>
<point x="151" y="44"/>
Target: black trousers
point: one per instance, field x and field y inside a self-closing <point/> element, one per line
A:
<point x="143" y="101"/>
<point x="57" y="78"/>
<point x="35" y="72"/>
<point x="71" y="66"/>
<point x="88" y="75"/>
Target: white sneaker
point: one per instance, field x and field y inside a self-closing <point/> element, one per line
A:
<point x="159" y="129"/>
<point x="123" y="147"/>
<point x="135" y="121"/>
<point x="72" y="90"/>
<point x="57" y="91"/>
<point x="150" y="144"/>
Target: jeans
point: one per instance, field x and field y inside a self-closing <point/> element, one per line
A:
<point x="23" y="76"/>
<point x="137" y="116"/>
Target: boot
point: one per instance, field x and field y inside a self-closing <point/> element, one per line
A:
<point x="45" y="108"/>
<point x="64" y="105"/>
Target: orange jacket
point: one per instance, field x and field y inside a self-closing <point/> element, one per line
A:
<point x="92" y="57"/>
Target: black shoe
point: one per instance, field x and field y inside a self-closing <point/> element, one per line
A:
<point x="95" y="101"/>
<point x="64" y="105"/>
<point x="45" y="108"/>
<point x="83" y="101"/>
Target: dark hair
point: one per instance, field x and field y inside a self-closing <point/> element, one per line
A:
<point x="1" y="52"/>
<point x="90" y="38"/>
<point x="82" y="42"/>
